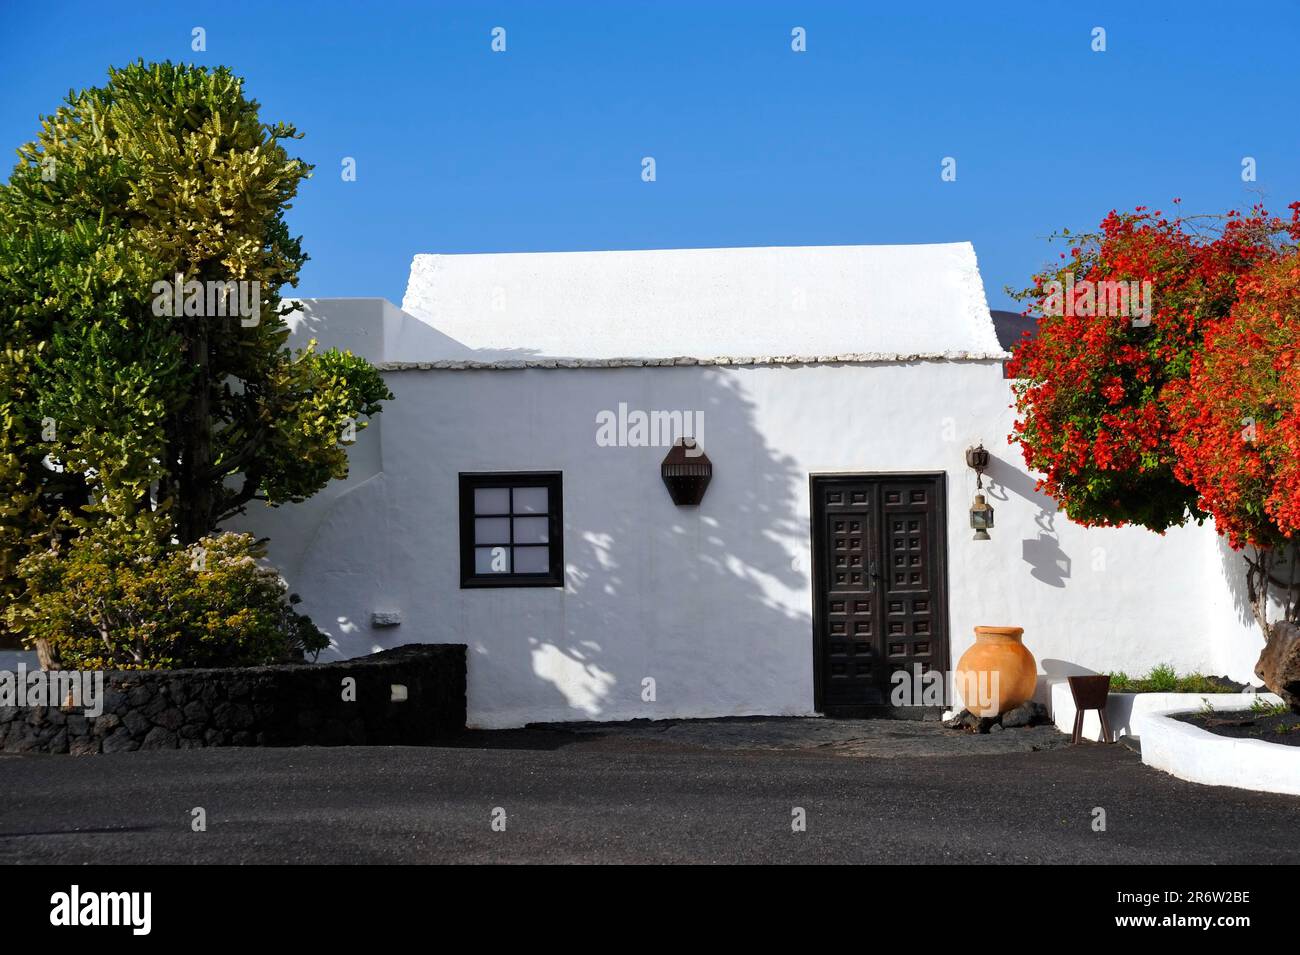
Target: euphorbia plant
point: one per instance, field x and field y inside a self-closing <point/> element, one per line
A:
<point x="129" y="403"/>
<point x="1181" y="412"/>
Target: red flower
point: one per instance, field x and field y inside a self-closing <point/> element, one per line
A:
<point x="1135" y="417"/>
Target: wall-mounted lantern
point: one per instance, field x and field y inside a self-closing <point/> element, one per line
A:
<point x="686" y="471"/>
<point x="981" y="517"/>
<point x="981" y="512"/>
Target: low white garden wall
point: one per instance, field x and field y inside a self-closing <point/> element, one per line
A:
<point x="1184" y="750"/>
<point x="1199" y="756"/>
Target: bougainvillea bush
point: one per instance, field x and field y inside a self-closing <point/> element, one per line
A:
<point x="1188" y="410"/>
<point x="1092" y="388"/>
<point x="1235" y="419"/>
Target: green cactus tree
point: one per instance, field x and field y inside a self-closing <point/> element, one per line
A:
<point x="144" y="374"/>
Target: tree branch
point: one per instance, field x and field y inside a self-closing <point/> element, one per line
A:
<point x="233" y="464"/>
<point x="1257" y="578"/>
<point x="234" y="504"/>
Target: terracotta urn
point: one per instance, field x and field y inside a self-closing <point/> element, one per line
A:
<point x="997" y="673"/>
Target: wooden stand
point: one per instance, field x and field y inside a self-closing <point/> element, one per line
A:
<point x="1090" y="693"/>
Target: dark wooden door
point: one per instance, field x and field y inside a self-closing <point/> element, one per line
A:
<point x="880" y="577"/>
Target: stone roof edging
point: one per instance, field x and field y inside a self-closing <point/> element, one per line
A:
<point x="683" y="361"/>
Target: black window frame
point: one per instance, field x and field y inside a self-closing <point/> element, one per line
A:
<point x="553" y="481"/>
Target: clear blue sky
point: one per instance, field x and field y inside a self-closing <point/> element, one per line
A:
<point x="460" y="149"/>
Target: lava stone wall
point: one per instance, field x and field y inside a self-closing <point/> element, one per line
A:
<point x="290" y="705"/>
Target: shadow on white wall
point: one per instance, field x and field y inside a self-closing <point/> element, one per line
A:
<point x="1047" y="561"/>
<point x="736" y="548"/>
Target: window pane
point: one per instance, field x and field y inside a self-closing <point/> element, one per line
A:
<point x="532" y="530"/>
<point x="530" y="500"/>
<point x="532" y="560"/>
<point x="491" y="560"/>
<point x="491" y="500"/>
<point x="506" y="529"/>
<point x="492" y="530"/>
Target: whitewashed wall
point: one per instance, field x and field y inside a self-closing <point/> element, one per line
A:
<point x="715" y="602"/>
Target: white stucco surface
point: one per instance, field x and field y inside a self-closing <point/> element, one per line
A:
<point x="818" y="300"/>
<point x="713" y="603"/>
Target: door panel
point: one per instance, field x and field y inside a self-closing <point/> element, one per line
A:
<point x="852" y="620"/>
<point x="911" y="583"/>
<point x="880" y="579"/>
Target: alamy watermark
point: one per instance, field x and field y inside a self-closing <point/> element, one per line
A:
<point x="649" y="429"/>
<point x="978" y="688"/>
<point x="211" y="299"/>
<point x="1107" y="298"/>
<point x="81" y="688"/>
<point x="127" y="909"/>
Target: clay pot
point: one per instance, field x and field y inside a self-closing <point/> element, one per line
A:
<point x="997" y="673"/>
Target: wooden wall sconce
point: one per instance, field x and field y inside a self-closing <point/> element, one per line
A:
<point x="686" y="471"/>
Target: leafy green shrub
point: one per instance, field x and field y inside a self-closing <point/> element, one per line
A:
<point x="1262" y="707"/>
<point x="1163" y="678"/>
<point x="119" y="598"/>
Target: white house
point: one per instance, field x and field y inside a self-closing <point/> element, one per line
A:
<point x="511" y="497"/>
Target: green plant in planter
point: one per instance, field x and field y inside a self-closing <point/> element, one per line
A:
<point x="1264" y="708"/>
<point x="1163" y="678"/>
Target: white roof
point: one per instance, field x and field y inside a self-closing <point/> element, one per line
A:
<point x="867" y="301"/>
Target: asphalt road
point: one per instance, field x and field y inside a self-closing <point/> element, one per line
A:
<point x="616" y="798"/>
